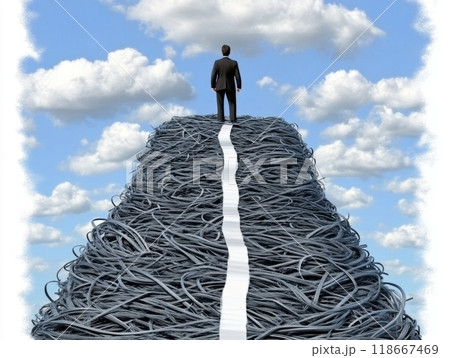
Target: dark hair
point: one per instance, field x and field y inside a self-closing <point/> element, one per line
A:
<point x="226" y="50"/>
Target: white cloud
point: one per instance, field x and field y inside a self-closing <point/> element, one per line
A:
<point x="338" y="159"/>
<point x="83" y="230"/>
<point x="154" y="115"/>
<point x="65" y="198"/>
<point x="382" y="125"/>
<point x="399" y="124"/>
<point x="347" y="129"/>
<point x="350" y="198"/>
<point x="169" y="52"/>
<point x="116" y="145"/>
<point x="38" y="264"/>
<point x="339" y="93"/>
<point x="395" y="266"/>
<point x="43" y="234"/>
<point x="342" y="92"/>
<point x="397" y="92"/>
<point x="31" y="142"/>
<point x="409" y="185"/>
<point x="403" y="236"/>
<point x="407" y="208"/>
<point x="102" y="205"/>
<point x="111" y="188"/>
<point x="289" y="24"/>
<point x="267" y="81"/>
<point x="75" y="89"/>
<point x="368" y="148"/>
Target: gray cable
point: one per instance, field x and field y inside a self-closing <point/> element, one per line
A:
<point x="310" y="278"/>
<point x="155" y="268"/>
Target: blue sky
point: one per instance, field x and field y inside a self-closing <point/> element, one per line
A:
<point x="348" y="73"/>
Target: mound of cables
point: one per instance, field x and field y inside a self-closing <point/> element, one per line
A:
<point x="309" y="276"/>
<point x="155" y="268"/>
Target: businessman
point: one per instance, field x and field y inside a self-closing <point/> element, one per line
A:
<point x="225" y="81"/>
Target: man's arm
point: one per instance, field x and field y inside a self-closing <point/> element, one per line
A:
<point x="237" y="74"/>
<point x="214" y="76"/>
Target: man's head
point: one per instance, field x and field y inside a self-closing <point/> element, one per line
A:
<point x="226" y="50"/>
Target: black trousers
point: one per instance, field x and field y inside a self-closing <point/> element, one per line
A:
<point x="231" y="98"/>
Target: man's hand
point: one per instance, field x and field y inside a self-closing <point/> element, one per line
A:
<point x="213" y="89"/>
<point x="239" y="90"/>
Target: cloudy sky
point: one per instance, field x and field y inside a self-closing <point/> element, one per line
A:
<point x="101" y="75"/>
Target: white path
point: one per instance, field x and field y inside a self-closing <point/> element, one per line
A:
<point x="233" y="319"/>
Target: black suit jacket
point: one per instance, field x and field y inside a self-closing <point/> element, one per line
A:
<point x="224" y="73"/>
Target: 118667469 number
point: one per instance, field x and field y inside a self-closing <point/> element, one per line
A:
<point x="425" y="349"/>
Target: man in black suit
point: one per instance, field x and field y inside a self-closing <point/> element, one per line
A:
<point x="223" y="76"/>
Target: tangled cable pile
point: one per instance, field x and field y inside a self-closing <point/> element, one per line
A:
<point x="156" y="267"/>
<point x="309" y="276"/>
